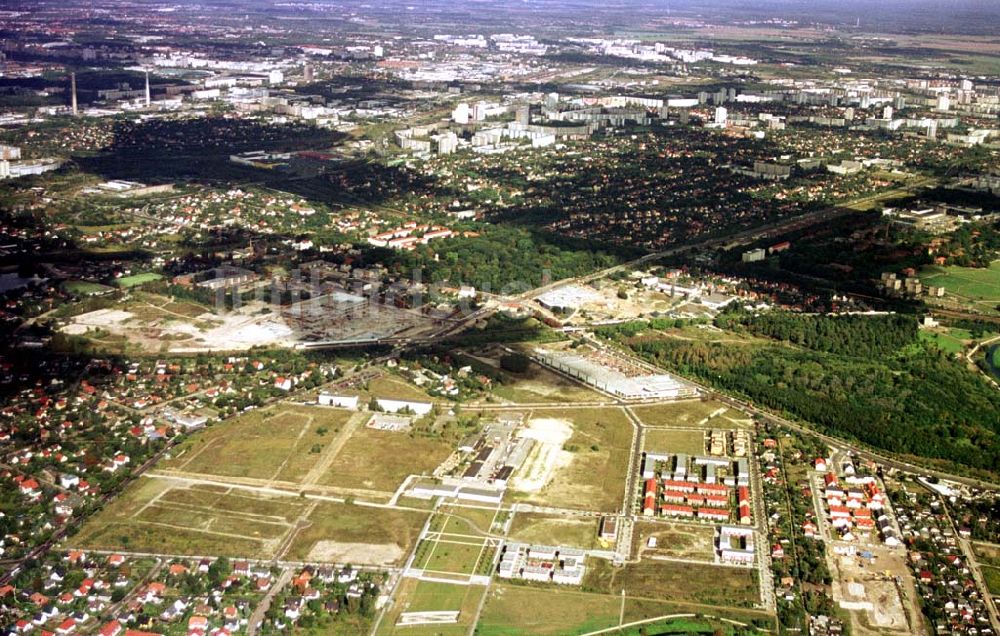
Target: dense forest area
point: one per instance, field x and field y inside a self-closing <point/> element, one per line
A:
<point x="861" y="377"/>
<point x="500" y="259"/>
<point x="843" y="334"/>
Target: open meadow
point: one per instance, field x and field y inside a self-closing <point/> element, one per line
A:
<point x="526" y="610"/>
<point x="681" y="582"/>
<point x="689" y="414"/>
<point x="279" y="443"/>
<point x="674" y="540"/>
<point x="673" y="440"/>
<point x="380" y="460"/>
<point x="161" y="515"/>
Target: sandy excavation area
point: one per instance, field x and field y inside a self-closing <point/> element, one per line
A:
<point x="380" y="554"/>
<point x="546" y="456"/>
<point x="207" y="332"/>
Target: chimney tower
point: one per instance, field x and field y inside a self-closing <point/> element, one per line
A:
<point x="147" y="90"/>
<point x="72" y="87"/>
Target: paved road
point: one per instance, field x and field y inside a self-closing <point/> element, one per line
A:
<point x="261" y="610"/>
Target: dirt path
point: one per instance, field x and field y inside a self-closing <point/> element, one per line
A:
<point x="258" y="614"/>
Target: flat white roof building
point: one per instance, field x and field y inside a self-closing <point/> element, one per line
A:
<point x="340" y="401"/>
<point x="646" y="386"/>
<point x="395" y="406"/>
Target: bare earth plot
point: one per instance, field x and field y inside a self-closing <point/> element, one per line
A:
<point x="873" y="599"/>
<point x="588" y="472"/>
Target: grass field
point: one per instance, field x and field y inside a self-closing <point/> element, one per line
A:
<point x="523" y="610"/>
<point x="978" y="286"/>
<point x="479" y="518"/>
<point x="381" y="460"/>
<point x="987" y="553"/>
<point x="137" y="279"/>
<point x="362" y="535"/>
<point x="85" y="288"/>
<point x="573" y="532"/>
<point x="951" y="341"/>
<point x="426" y="596"/>
<point x="680" y="582"/>
<point x="672" y="440"/>
<point x="992" y="577"/>
<point x="687" y="413"/>
<point x="590" y="471"/>
<point x="390" y="386"/>
<point x="276" y="443"/>
<point x="455" y="547"/>
<point x="515" y="610"/>
<point x="450" y="556"/>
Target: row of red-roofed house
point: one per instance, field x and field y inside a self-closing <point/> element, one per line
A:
<point x="858" y="507"/>
<point x="680" y="499"/>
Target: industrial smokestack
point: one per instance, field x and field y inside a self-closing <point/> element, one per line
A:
<point x="147" y="90"/>
<point x="72" y="88"/>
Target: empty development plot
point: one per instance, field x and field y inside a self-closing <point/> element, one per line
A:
<point x="396" y="388"/>
<point x="673" y="440"/>
<point x="589" y="472"/>
<point x="675" y="540"/>
<point x="515" y="610"/>
<point x="158" y="515"/>
<point x="361" y="535"/>
<point x="685" y="414"/>
<point x="279" y="443"/>
<point x="522" y="610"/>
<point x="380" y="460"/>
<point x="680" y="582"/>
<point x="987" y="553"/>
<point x="153" y="515"/>
<point x="573" y="532"/>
